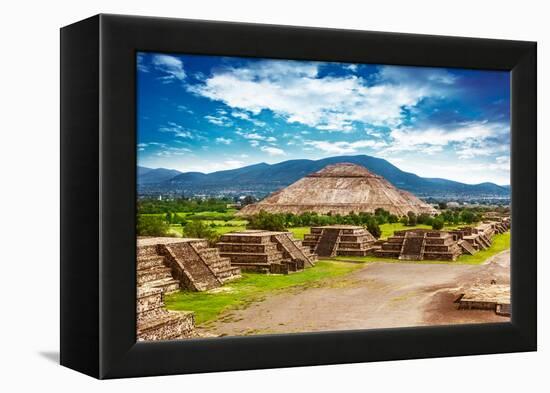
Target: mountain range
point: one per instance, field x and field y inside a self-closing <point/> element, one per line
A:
<point x="267" y="178"/>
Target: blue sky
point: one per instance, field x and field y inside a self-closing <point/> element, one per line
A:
<point x="210" y="113"/>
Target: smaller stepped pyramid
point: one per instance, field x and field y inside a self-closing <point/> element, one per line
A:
<point x="170" y="263"/>
<point x="420" y="244"/>
<point x="156" y="323"/>
<point x="265" y="251"/>
<point x="339" y="240"/>
<point x="480" y="237"/>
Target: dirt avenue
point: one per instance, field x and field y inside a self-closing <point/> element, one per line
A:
<point x="379" y="295"/>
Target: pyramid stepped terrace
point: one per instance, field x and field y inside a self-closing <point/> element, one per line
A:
<point x="170" y="263"/>
<point x="340" y="189"/>
<point x="420" y="244"/>
<point x="339" y="240"/>
<point x="265" y="251"/>
<point x="156" y="323"/>
<point x="480" y="237"/>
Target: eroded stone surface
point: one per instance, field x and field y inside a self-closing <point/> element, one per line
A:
<point x="340" y="189"/>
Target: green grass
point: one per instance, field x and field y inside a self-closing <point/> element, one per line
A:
<point x="252" y="287"/>
<point x="299" y="232"/>
<point x="389" y="229"/>
<point x="500" y="243"/>
<point x="229" y="228"/>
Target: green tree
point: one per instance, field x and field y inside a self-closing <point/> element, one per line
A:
<point x="374" y="229"/>
<point x="267" y="221"/>
<point x="248" y="200"/>
<point x="467" y="216"/>
<point x="198" y="229"/>
<point x="151" y="226"/>
<point x="412" y="221"/>
<point x="437" y="223"/>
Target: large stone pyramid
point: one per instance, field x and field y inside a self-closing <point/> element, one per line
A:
<point x="340" y="189"/>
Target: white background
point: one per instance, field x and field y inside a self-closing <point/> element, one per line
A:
<point x="29" y="219"/>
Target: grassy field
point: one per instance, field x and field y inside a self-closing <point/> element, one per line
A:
<point x="389" y="229"/>
<point x="252" y="287"/>
<point x="501" y="242"/>
<point x="299" y="232"/>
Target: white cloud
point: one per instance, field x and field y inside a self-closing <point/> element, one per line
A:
<point x="140" y="65"/>
<point x="352" y="67"/>
<point x="273" y="151"/>
<point x="222" y="121"/>
<point x="233" y="163"/>
<point x="342" y="147"/>
<point x="255" y="136"/>
<point x="416" y="76"/>
<point x="224" y="141"/>
<point x="177" y="130"/>
<point x="245" y="116"/>
<point x="468" y="140"/>
<point x="251" y="135"/>
<point x="183" y="108"/>
<point x="172" y="151"/>
<point x="294" y="91"/>
<point x="170" y="66"/>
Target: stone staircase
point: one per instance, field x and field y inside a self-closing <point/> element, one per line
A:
<point x="413" y="247"/>
<point x="293" y="251"/>
<point x="190" y="267"/>
<point x="153" y="271"/>
<point x="220" y="266"/>
<point x="262" y="251"/>
<point x="467" y="247"/>
<point x="485" y="242"/>
<point x="328" y="242"/>
<point x="171" y="263"/>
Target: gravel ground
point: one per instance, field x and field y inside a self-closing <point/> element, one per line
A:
<point x="380" y="295"/>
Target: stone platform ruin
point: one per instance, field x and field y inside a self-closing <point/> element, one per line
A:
<point x="420" y="244"/>
<point x="154" y="322"/>
<point x="339" y="240"/>
<point x="170" y="263"/>
<point x="164" y="265"/>
<point x="487" y="297"/>
<point x="480" y="237"/>
<point x="265" y="251"/>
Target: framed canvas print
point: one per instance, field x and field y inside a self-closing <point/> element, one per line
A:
<point x="240" y="196"/>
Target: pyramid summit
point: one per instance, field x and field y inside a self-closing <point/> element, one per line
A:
<point x="344" y="169"/>
<point x="340" y="189"/>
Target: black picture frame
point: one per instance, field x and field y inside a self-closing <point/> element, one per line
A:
<point x="98" y="188"/>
